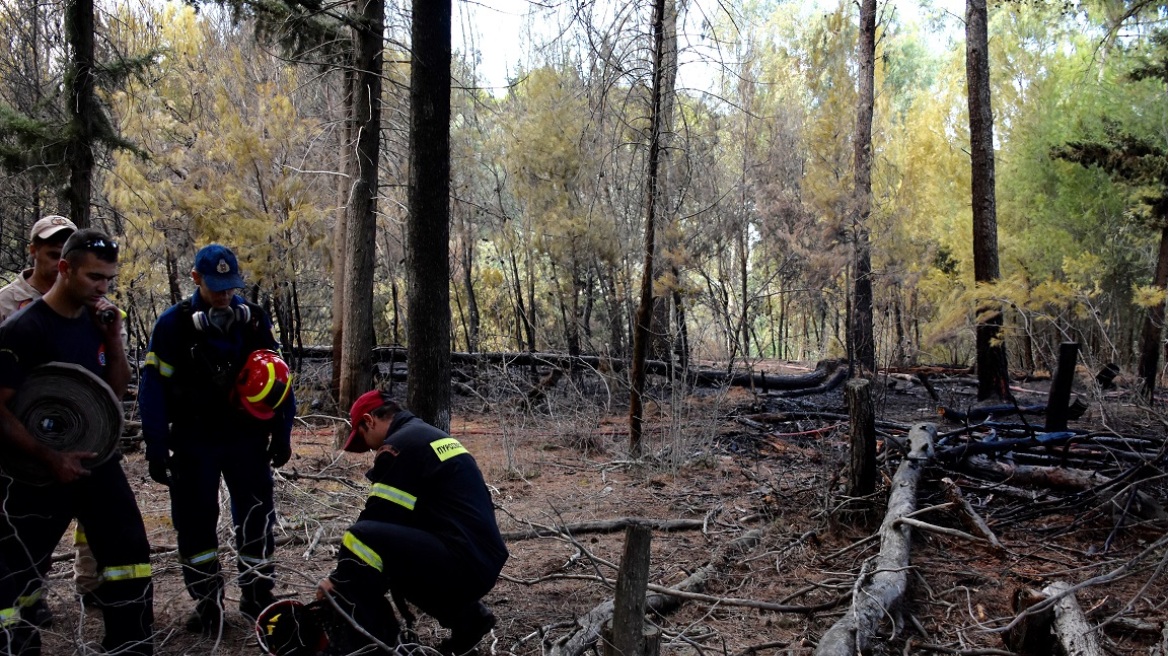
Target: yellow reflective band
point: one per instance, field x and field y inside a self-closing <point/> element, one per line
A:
<point x="447" y="448"/>
<point x="166" y="370"/>
<point x="253" y="561"/>
<point x="79" y="535"/>
<point x="393" y="495"/>
<point x="126" y="572"/>
<point x="267" y="388"/>
<point x="30" y="599"/>
<point x="362" y="551"/>
<point x="8" y="617"/>
<point x="199" y="559"/>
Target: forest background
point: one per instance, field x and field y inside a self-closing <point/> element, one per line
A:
<point x="231" y="128"/>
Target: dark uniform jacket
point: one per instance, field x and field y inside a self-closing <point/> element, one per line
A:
<point x="426" y="479"/>
<point x="187" y="387"/>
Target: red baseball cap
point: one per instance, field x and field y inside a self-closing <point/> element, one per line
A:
<point x="366" y="403"/>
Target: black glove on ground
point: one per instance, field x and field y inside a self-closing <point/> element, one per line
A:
<point x="159" y="472"/>
<point x="279" y="452"/>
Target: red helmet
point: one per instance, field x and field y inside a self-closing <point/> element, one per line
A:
<point x="289" y="628"/>
<point x="263" y="383"/>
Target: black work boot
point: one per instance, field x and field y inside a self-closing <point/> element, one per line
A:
<point x="252" y="604"/>
<point x="468" y="630"/>
<point x="207" y="618"/>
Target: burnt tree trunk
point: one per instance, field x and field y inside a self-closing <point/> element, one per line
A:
<point x="860" y="333"/>
<point x="357" y="338"/>
<point x="991" y="351"/>
<point x="641" y="331"/>
<point x="82" y="108"/>
<point x="428" y="241"/>
<point x="1153" y="330"/>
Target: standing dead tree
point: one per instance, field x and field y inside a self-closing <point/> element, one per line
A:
<point x="877" y="593"/>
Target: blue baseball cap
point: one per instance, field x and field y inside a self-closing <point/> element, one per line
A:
<point x="218" y="267"/>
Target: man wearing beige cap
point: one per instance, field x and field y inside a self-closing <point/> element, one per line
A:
<point x="45" y="240"/>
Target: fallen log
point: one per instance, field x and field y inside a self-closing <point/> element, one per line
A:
<point x="1063" y="621"/>
<point x="591" y="624"/>
<point x="877" y="596"/>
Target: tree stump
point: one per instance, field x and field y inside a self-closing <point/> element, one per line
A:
<point x="627" y="634"/>
<point x="862" y="416"/>
<point x="1058" y="403"/>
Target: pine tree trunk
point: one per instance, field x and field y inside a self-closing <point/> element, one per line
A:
<point x="991" y="352"/>
<point x="428" y="239"/>
<point x="860" y="330"/>
<point x="82" y="108"/>
<point x="641" y="332"/>
<point x="357" y="338"/>
<point x="1151" y="337"/>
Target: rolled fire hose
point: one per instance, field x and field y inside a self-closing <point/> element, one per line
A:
<point x="66" y="408"/>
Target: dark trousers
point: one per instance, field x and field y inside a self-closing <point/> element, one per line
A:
<point x="196" y="468"/>
<point x="414" y="564"/>
<point x="35" y="518"/>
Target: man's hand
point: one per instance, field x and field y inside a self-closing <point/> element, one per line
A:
<point x="279" y="452"/>
<point x="159" y="472"/>
<point x="109" y="318"/>
<point x="324" y="588"/>
<point x="66" y="466"/>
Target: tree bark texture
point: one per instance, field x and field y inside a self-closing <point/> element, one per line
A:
<point x="628" y="617"/>
<point x="641" y="331"/>
<point x="1151" y="336"/>
<point x="347" y="165"/>
<point x="991" y="352"/>
<point x="860" y="330"/>
<point x="357" y="338"/>
<point x="862" y="421"/>
<point x="428" y="238"/>
<point x="82" y="108"/>
<point x="877" y="595"/>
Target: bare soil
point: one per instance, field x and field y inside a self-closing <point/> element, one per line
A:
<point x="565" y="462"/>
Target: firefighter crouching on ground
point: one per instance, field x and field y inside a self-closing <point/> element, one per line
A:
<point x="63" y="327"/>
<point x="216" y="401"/>
<point x="427" y="533"/>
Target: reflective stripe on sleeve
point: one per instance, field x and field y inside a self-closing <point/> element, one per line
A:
<point x="393" y="495"/>
<point x="165" y="369"/>
<point x="8" y="617"/>
<point x="126" y="572"/>
<point x="362" y="551"/>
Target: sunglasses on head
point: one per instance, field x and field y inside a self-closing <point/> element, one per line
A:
<point x="98" y="245"/>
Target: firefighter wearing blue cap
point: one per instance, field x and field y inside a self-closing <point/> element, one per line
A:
<point x="198" y="430"/>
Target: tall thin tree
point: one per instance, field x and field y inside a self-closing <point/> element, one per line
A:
<point x="860" y="331"/>
<point x="357" y="338"/>
<point x="641" y="332"/>
<point x="83" y="109"/>
<point x="991" y="350"/>
<point x="428" y="239"/>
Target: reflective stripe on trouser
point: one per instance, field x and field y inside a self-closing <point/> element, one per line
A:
<point x="416" y="564"/>
<point x="197" y="467"/>
<point x="37" y="517"/>
<point x="201" y="575"/>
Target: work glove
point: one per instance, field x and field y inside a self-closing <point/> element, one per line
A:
<point x="159" y="472"/>
<point x="279" y="452"/>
